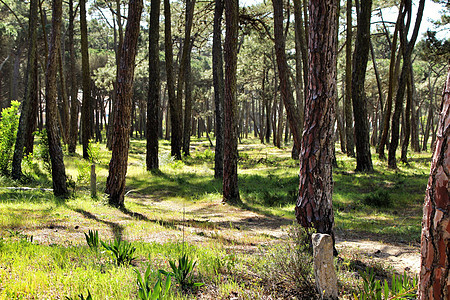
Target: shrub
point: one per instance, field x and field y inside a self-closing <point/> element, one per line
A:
<point x="146" y="292"/>
<point x="121" y="251"/>
<point x="92" y="239"/>
<point x="43" y="151"/>
<point x="379" y="198"/>
<point x="9" y="122"/>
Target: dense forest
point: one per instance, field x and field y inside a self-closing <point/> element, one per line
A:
<point x="194" y="82"/>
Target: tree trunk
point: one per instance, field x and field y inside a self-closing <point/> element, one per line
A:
<point x="314" y="204"/>
<point x="55" y="150"/>
<point x="360" y="58"/>
<point x="30" y="94"/>
<point x="293" y="115"/>
<point x="115" y="183"/>
<point x="218" y="82"/>
<point x="435" y="255"/>
<point x="153" y="101"/>
<point x="407" y="127"/>
<point x="65" y="117"/>
<point x="74" y="107"/>
<point x="86" y="105"/>
<point x="187" y="104"/>
<point x="230" y="159"/>
<point x="349" y="135"/>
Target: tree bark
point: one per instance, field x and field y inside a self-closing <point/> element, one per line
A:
<point x="314" y="203"/>
<point x="56" y="154"/>
<point x="293" y="115"/>
<point x="230" y="176"/>
<point x="30" y="94"/>
<point x="218" y="82"/>
<point x="153" y="101"/>
<point x="435" y="246"/>
<point x="360" y="58"/>
<point x="86" y="105"/>
<point x="74" y="107"/>
<point x="115" y="183"/>
<point x="348" y="113"/>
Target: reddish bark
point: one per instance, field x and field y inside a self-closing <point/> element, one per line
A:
<point x="435" y="245"/>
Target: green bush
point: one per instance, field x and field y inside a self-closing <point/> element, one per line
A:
<point x="379" y="198"/>
<point x="145" y="290"/>
<point x="43" y="151"/>
<point x="121" y="251"/>
<point x="9" y="122"/>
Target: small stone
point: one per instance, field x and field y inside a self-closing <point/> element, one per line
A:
<point x="325" y="274"/>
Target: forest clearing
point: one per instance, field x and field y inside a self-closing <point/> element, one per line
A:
<point x="242" y="252"/>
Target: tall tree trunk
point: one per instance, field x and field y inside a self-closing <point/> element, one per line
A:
<point x="359" y="100"/>
<point x="230" y="159"/>
<point x="314" y="204"/>
<point x="407" y="51"/>
<point x="301" y="46"/>
<point x="184" y="77"/>
<point x="65" y="117"/>
<point x="30" y="93"/>
<point x="74" y="107"/>
<point x="54" y="144"/>
<point x="153" y="101"/>
<point x="218" y="87"/>
<point x="407" y="128"/>
<point x="293" y="115"/>
<point x="86" y="105"/>
<point x="349" y="135"/>
<point x="115" y="183"/>
<point x="435" y="255"/>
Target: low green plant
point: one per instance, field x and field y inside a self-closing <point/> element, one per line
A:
<point x="9" y="122"/>
<point x="121" y="251"/>
<point x="379" y="198"/>
<point x="20" y="235"/>
<point x="81" y="297"/>
<point x="182" y="271"/>
<point x="159" y="291"/>
<point x="93" y="151"/>
<point x="402" y="287"/>
<point x="83" y="172"/>
<point x="92" y="239"/>
<point x="43" y="150"/>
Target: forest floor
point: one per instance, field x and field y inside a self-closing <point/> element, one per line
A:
<point x="242" y="252"/>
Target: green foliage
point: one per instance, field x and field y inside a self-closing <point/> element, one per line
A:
<point x="9" y="123"/>
<point x="182" y="271"/>
<point x="402" y="287"/>
<point x="159" y="291"/>
<point x="83" y="172"/>
<point x="379" y="198"/>
<point x="206" y="155"/>
<point x="92" y="239"/>
<point x="93" y="151"/>
<point x="121" y="251"/>
<point x="43" y="151"/>
<point x="81" y="297"/>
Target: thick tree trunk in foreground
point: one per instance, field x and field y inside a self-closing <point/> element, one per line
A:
<point x="153" y="101"/>
<point x="218" y="87"/>
<point x="115" y="184"/>
<point x="230" y="176"/>
<point x="435" y="245"/>
<point x="360" y="58"/>
<point x="293" y="115"/>
<point x="314" y="206"/>
<point x="30" y="93"/>
<point x="56" y="154"/>
<point x="86" y="105"/>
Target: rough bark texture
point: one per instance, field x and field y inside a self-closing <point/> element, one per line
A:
<point x="293" y="115"/>
<point x="314" y="204"/>
<point x="435" y="245"/>
<point x="230" y="176"/>
<point x="349" y="136"/>
<point x="30" y="92"/>
<point x="174" y="107"/>
<point x="115" y="184"/>
<point x="74" y="107"/>
<point x="153" y="101"/>
<point x="86" y="105"/>
<point x="218" y="87"/>
<point x="360" y="58"/>
<point x="56" y="154"/>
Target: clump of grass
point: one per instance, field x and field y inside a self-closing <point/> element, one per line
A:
<point x="379" y="198"/>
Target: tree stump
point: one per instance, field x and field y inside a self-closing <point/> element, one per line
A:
<point x="326" y="280"/>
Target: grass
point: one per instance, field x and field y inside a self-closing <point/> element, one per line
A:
<point x="182" y="202"/>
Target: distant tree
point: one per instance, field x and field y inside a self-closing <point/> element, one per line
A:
<point x="153" y="102"/>
<point x="435" y="244"/>
<point x="359" y="100"/>
<point x="314" y="205"/>
<point x="55" y="150"/>
<point x="115" y="183"/>
<point x="218" y="82"/>
<point x="74" y="107"/>
<point x="230" y="159"/>
<point x="348" y="112"/>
